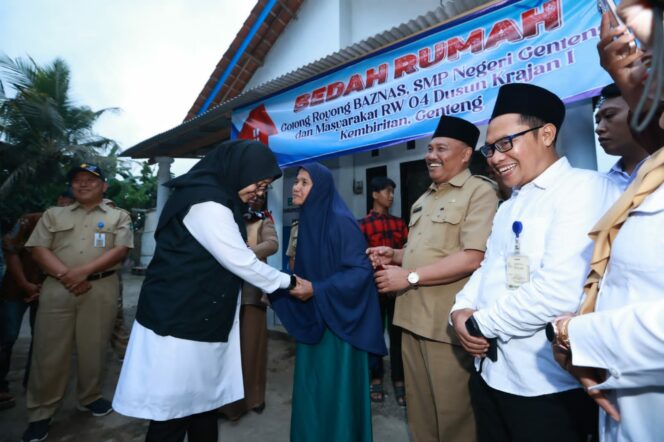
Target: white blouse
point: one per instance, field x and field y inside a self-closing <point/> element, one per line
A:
<point x="164" y="377"/>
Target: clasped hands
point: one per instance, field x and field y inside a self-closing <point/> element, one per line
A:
<point x="303" y="289"/>
<point x="75" y="280"/>
<point x="389" y="278"/>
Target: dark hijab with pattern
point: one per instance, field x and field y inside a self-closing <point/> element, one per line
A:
<point x="219" y="176"/>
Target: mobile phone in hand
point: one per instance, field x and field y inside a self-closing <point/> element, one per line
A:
<point x="473" y="329"/>
<point x="610" y="7"/>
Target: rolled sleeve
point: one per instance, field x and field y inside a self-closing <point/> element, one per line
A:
<point x="124" y="235"/>
<point x="43" y="235"/>
<point x="476" y="227"/>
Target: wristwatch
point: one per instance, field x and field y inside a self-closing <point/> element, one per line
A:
<point x="557" y="332"/>
<point x="293" y="282"/>
<point x="413" y="279"/>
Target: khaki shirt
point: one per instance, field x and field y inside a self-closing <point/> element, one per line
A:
<point x="292" y="242"/>
<point x="69" y="232"/>
<point x="447" y="218"/>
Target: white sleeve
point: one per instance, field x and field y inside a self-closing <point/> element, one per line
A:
<point x="213" y="226"/>
<point x="628" y="342"/>
<point x="467" y="297"/>
<point x="556" y="287"/>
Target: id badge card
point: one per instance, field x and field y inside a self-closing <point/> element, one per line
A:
<point x="517" y="271"/>
<point x="517" y="266"/>
<point x="100" y="240"/>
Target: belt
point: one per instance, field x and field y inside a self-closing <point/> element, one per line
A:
<point x="96" y="276"/>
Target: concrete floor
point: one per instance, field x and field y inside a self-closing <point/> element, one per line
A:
<point x="389" y="420"/>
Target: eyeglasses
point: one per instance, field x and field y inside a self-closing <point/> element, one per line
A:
<point x="504" y="144"/>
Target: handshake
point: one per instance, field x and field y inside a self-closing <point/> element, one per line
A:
<point x="389" y="275"/>
<point x="302" y="290"/>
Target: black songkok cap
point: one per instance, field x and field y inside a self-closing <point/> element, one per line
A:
<point x="457" y="128"/>
<point x="531" y="100"/>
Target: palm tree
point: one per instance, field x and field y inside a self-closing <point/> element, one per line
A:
<point x="42" y="133"/>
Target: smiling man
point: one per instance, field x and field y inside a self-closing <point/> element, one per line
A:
<point x="535" y="265"/>
<point x="80" y="248"/>
<point x="449" y="226"/>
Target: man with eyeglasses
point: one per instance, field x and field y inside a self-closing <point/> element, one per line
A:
<point x="535" y="265"/>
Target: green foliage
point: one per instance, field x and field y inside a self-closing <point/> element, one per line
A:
<point x="133" y="192"/>
<point x="43" y="134"/>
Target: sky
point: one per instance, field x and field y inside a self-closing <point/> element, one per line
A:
<point x="149" y="58"/>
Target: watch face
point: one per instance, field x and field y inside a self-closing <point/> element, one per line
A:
<point x="413" y="278"/>
<point x="550" y="332"/>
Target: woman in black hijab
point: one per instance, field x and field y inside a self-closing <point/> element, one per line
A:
<point x="183" y="359"/>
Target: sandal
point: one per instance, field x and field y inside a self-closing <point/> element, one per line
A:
<point x="376" y="393"/>
<point x="400" y="394"/>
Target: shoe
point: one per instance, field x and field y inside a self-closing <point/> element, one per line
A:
<point x="37" y="431"/>
<point x="98" y="408"/>
<point x="376" y="392"/>
<point x="400" y="395"/>
<point x="6" y="400"/>
<point x="259" y="408"/>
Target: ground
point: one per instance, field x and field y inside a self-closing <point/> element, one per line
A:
<point x="69" y="424"/>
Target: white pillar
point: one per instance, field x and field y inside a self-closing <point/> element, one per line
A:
<point x="163" y="175"/>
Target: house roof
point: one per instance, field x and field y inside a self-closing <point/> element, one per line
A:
<point x="268" y="32"/>
<point x="199" y="132"/>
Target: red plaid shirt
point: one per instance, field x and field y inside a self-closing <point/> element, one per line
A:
<point x="384" y="230"/>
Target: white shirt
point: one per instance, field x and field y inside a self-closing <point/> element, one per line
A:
<point x="626" y="336"/>
<point x="557" y="209"/>
<point x="164" y="377"/>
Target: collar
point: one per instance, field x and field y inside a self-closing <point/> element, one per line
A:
<point x="552" y="173"/>
<point x="101" y="206"/>
<point x="458" y="181"/>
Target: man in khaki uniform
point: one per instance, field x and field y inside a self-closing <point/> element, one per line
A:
<point x="80" y="248"/>
<point x="449" y="226"/>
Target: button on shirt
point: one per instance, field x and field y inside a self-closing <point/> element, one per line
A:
<point x="634" y="276"/>
<point x="69" y="232"/>
<point x="447" y="218"/>
<point x="557" y="210"/>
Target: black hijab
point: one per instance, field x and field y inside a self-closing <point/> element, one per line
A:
<point x="219" y="176"/>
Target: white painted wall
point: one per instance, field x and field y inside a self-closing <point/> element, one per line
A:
<point x="314" y="34"/>
<point x="323" y="27"/>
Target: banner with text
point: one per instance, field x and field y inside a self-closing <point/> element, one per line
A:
<point x="456" y="69"/>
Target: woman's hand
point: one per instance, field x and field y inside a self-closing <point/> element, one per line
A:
<point x="380" y="256"/>
<point x="303" y="289"/>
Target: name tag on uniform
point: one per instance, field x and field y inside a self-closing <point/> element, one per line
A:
<point x="517" y="271"/>
<point x="100" y="240"/>
<point x="517" y="266"/>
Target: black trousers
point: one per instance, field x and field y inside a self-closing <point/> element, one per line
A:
<point x="560" y="417"/>
<point x="396" y="361"/>
<point x="198" y="428"/>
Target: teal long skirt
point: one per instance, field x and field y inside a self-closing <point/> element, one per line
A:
<point x="331" y="393"/>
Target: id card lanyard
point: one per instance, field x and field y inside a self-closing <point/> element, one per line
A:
<point x="517" y="268"/>
<point x="100" y="238"/>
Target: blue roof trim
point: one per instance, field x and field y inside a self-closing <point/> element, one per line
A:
<point x="464" y="17"/>
<point x="252" y="32"/>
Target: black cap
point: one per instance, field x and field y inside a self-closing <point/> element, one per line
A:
<point x="528" y="99"/>
<point x="86" y="167"/>
<point x="457" y="128"/>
